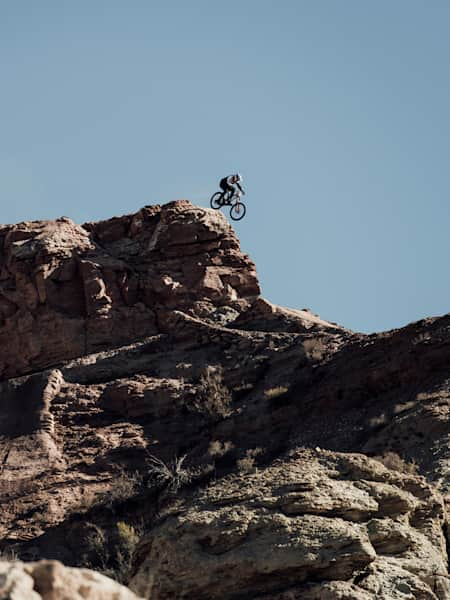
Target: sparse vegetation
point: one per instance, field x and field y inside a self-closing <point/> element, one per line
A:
<point x="128" y="539"/>
<point x="275" y="392"/>
<point x="213" y="397"/>
<point x="218" y="449"/>
<point x="394" y="461"/>
<point x="9" y="554"/>
<point x="170" y="476"/>
<point x="123" y="487"/>
<point x="112" y="554"/>
<point x="98" y="551"/>
<point x="247" y="463"/>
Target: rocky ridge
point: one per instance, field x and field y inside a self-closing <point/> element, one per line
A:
<point x="145" y="337"/>
<point x="68" y="290"/>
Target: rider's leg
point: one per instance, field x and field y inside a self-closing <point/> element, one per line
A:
<point x="230" y="192"/>
<point x="224" y="187"/>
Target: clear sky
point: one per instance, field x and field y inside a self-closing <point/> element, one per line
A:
<point x="335" y="112"/>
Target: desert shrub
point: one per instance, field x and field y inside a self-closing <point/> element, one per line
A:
<point x="274" y="392"/>
<point x="98" y="554"/>
<point x="124" y="486"/>
<point x="219" y="449"/>
<point x="128" y="539"/>
<point x="246" y="464"/>
<point x="394" y="461"/>
<point x="213" y="397"/>
<point x="112" y="554"/>
<point x="169" y="476"/>
<point x="9" y="554"/>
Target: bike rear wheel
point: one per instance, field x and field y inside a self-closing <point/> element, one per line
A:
<point x="237" y="211"/>
<point x="216" y="200"/>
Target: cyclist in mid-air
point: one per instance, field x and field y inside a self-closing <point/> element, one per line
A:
<point x="229" y="184"/>
<point x="230" y="195"/>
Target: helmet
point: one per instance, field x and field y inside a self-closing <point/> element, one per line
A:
<point x="238" y="177"/>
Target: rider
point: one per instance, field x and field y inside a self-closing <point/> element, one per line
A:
<point x="227" y="184"/>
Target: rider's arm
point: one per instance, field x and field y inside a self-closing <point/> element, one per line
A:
<point x="239" y="186"/>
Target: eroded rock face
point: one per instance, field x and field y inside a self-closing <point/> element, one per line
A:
<point x="116" y="341"/>
<point x="50" y="580"/>
<point x="68" y="290"/>
<point x="314" y="515"/>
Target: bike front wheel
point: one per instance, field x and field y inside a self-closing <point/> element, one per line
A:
<point x="216" y="200"/>
<point x="237" y="211"/>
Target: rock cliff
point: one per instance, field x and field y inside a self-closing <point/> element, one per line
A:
<point x="163" y="423"/>
<point x="68" y="290"/>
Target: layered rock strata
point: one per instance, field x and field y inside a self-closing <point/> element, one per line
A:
<point x="68" y="290"/>
<point x="312" y="516"/>
<point x="144" y="337"/>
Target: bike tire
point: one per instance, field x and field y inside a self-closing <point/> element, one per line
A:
<point x="216" y="200"/>
<point x="237" y="211"/>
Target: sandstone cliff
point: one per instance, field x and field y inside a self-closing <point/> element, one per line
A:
<point x="68" y="290"/>
<point x="130" y="342"/>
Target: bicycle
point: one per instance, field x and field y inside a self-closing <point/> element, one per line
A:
<point x="237" y="210"/>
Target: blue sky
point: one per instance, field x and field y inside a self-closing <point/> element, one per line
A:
<point x="336" y="114"/>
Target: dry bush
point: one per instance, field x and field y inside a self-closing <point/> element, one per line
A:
<point x="98" y="549"/>
<point x="112" y="554"/>
<point x="274" y="392"/>
<point x="124" y="486"/>
<point x="128" y="539"/>
<point x="395" y="462"/>
<point x="219" y="449"/>
<point x="9" y="554"/>
<point x="247" y="463"/>
<point x="170" y="476"/>
<point x="213" y="397"/>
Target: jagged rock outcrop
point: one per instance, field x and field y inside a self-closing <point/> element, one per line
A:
<point x="312" y="516"/>
<point x="68" y="290"/>
<point x="145" y="337"/>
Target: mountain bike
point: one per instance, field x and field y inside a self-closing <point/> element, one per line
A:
<point x="237" y="210"/>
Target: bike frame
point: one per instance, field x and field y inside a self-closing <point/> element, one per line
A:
<point x="228" y="200"/>
<point x="233" y="200"/>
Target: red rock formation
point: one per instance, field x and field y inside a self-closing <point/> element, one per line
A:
<point x="146" y="335"/>
<point x="68" y="290"/>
